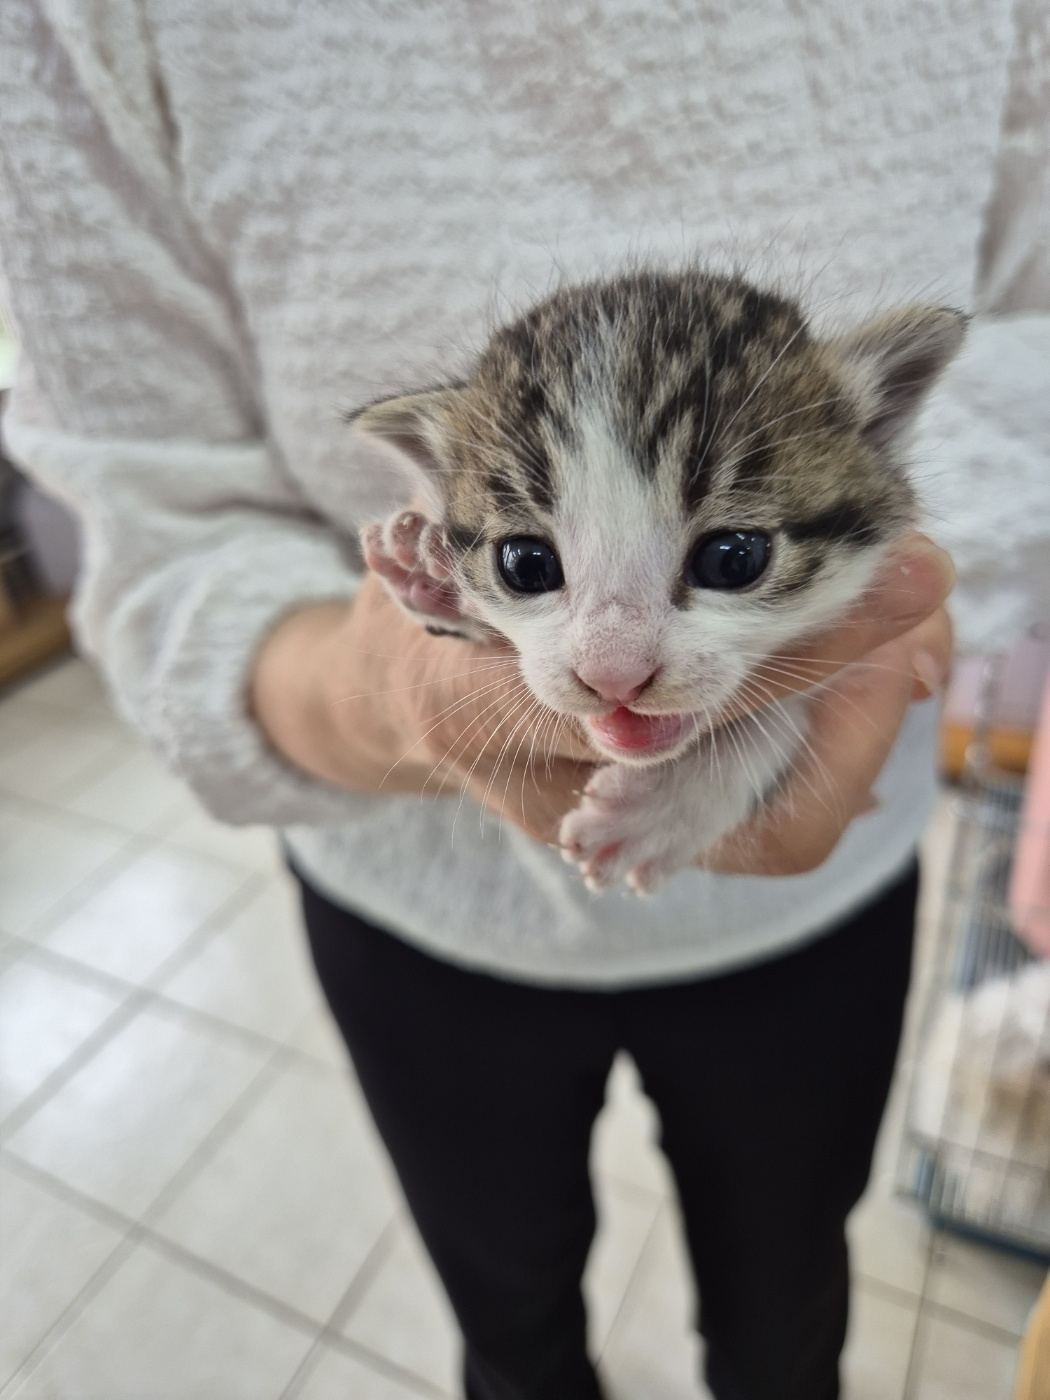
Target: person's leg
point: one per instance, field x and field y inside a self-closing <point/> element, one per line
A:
<point x="485" y="1093"/>
<point x="770" y="1084"/>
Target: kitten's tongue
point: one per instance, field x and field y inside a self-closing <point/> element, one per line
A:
<point x="633" y="733"/>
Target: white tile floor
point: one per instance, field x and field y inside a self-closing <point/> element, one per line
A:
<point x="193" y="1202"/>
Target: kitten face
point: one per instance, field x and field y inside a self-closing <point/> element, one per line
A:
<point x="649" y="485"/>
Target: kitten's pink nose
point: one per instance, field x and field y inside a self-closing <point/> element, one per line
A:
<point x="620" y="685"/>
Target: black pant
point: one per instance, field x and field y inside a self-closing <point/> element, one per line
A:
<point x="770" y="1084"/>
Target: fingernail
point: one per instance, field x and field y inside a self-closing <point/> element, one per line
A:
<point x="929" y="670"/>
<point x="926" y="559"/>
<point x="924" y="574"/>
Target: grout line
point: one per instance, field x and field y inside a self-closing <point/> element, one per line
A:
<point x="257" y="1297"/>
<point x="69" y="792"/>
<point x="88" y="1048"/>
<point x="344" y="1308"/>
<point x="137" y="999"/>
<point x="375" y="1360"/>
<point x="154" y="833"/>
<point x="137" y="1233"/>
<point x="253" y="883"/>
<point x="125" y="854"/>
<point x="68" y="1316"/>
<point x="142" y="1000"/>
<point x="365" y="1276"/>
<point x="646" y="1246"/>
<point x="889" y="1292"/>
<point x="62" y="1191"/>
<point x="209" y="1021"/>
<point x="228" y="1282"/>
<point x="64" y="966"/>
<point x="144" y="1228"/>
<point x="11" y="951"/>
<point x="646" y="1195"/>
<point x="911" y="1375"/>
<point x="97" y="1210"/>
<point x="107" y="1214"/>
<point x="989" y="1330"/>
<point x="43" y="810"/>
<point x="18" y="685"/>
<point x="161" y="825"/>
<point x="243" y="1035"/>
<point x="931" y="1309"/>
<point x="210" y="927"/>
<point x="269" y="1071"/>
<point x="146" y="1235"/>
<point x="84" y="777"/>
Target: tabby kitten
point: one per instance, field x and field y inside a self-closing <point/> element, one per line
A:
<point x="648" y="484"/>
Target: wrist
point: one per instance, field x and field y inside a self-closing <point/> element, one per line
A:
<point x="284" y="699"/>
<point x="313" y="703"/>
<point x="335" y="689"/>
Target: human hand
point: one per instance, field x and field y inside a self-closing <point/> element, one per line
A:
<point x="364" y="698"/>
<point x="853" y="724"/>
<point x="912" y="585"/>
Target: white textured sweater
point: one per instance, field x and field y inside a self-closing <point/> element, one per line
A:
<point x="223" y="224"/>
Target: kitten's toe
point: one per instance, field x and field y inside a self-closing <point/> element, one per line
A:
<point x="404" y="534"/>
<point x="609" y="866"/>
<point x="407" y="555"/>
<point x="627" y="828"/>
<point x="433" y="553"/>
<point x="418" y="545"/>
<point x="380" y="559"/>
<point x="602" y="870"/>
<point x="594" y="839"/>
<point x="647" y="878"/>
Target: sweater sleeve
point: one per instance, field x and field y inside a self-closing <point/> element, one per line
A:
<point x="136" y="405"/>
<point x="983" y="448"/>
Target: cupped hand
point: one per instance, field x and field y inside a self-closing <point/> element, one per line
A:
<point x="854" y="721"/>
<point x="911" y="586"/>
<point x="362" y="697"/>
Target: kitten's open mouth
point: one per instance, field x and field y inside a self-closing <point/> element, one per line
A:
<point x="628" y="732"/>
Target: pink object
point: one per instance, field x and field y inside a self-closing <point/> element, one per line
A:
<point x="634" y="733"/>
<point x="618" y="686"/>
<point x="1030" y="878"/>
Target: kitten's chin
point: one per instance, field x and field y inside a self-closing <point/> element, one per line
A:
<point x="623" y="734"/>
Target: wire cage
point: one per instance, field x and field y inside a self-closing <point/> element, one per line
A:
<point x="976" y="1147"/>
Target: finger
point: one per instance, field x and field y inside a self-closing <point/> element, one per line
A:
<point x="854" y="723"/>
<point x="930" y="645"/>
<point x="531" y="796"/>
<point x="923" y="653"/>
<point x="913" y="584"/>
<point x="475" y="693"/>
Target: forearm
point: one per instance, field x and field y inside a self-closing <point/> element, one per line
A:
<point x="359" y="695"/>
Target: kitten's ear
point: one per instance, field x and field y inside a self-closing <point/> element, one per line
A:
<point x="414" y="427"/>
<point x="892" y="362"/>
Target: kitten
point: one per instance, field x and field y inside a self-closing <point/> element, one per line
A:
<point x="649" y="484"/>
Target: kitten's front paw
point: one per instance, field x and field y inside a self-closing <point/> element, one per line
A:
<point x="408" y="553"/>
<point x="626" y="828"/>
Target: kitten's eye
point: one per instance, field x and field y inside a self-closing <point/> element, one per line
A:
<point x="529" y="566"/>
<point x="731" y="559"/>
